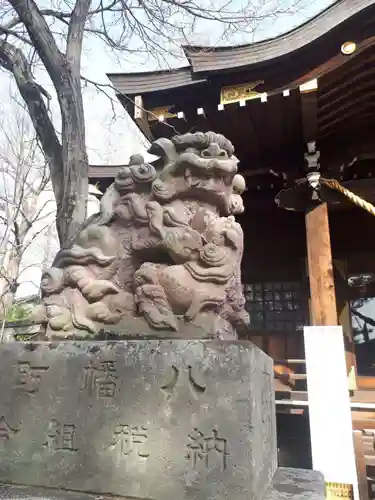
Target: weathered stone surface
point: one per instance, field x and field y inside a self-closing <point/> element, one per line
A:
<point x="164" y="249"/>
<point x="9" y="492"/>
<point x="296" y="484"/>
<point x="144" y="418"/>
<point x="21" y="330"/>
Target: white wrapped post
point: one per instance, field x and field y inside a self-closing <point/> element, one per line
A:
<point x="331" y="428"/>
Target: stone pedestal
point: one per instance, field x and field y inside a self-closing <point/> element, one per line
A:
<point x="143" y="419"/>
<point x="296" y="484"/>
<point x="287" y="484"/>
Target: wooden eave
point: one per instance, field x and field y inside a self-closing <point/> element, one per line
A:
<point x="283" y="63"/>
<point x="152" y="81"/>
<point x="328" y="23"/>
<point x="310" y="50"/>
<point x="271" y="136"/>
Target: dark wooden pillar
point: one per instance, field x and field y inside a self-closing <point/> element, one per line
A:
<point x="361" y="465"/>
<point x="320" y="268"/>
<point x="343" y="311"/>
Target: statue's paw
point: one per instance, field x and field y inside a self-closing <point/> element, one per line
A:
<point x="59" y="318"/>
<point x="193" y="310"/>
<point x="147" y="274"/>
<point x="81" y="319"/>
<point x="190" y="314"/>
<point x="96" y="289"/>
<point x="101" y="313"/>
<point x="168" y="321"/>
<point x="200" y="301"/>
<point x="159" y="318"/>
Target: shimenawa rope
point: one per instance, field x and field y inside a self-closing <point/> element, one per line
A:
<point x="354" y="198"/>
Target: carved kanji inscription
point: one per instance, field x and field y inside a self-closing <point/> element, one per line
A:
<point x="207" y="449"/>
<point x="100" y="379"/>
<point x="29" y="376"/>
<point x="61" y="437"/>
<point x="128" y="439"/>
<point x="169" y="387"/>
<point x="7" y="431"/>
<point x="267" y="409"/>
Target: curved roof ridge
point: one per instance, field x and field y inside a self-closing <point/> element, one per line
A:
<point x="213" y="58"/>
<point x="166" y="71"/>
<point x="218" y="48"/>
<point x="151" y="81"/>
<point x="205" y="61"/>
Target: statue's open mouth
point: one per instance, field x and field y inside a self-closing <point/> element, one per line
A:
<point x="208" y="166"/>
<point x="208" y="179"/>
<point x="194" y="178"/>
<point x="212" y="191"/>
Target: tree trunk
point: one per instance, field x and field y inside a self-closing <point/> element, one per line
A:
<point x="72" y="207"/>
<point x="64" y="71"/>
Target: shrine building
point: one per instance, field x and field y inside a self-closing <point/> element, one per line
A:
<point x="300" y="111"/>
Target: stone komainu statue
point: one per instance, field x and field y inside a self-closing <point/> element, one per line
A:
<point x="164" y="252"/>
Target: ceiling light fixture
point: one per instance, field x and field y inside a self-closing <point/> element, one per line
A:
<point x="348" y="48"/>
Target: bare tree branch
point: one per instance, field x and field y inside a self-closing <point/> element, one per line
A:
<point x="101" y="87"/>
<point x="74" y="186"/>
<point x="24" y="216"/>
<point x="14" y="61"/>
<point x="6" y="31"/>
<point x="153" y="28"/>
<point x="41" y="37"/>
